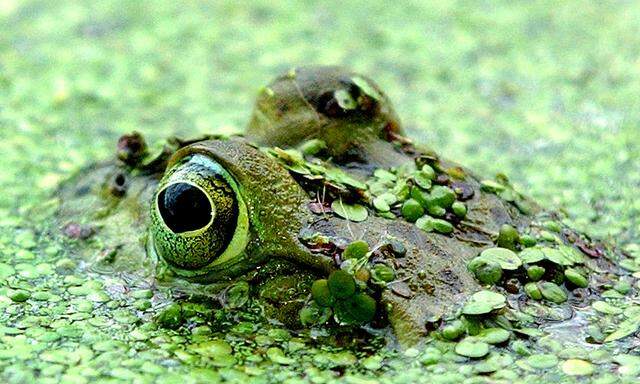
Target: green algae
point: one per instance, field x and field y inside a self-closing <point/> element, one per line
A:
<point x="522" y="89"/>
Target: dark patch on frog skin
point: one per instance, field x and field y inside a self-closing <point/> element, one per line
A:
<point x="278" y="205"/>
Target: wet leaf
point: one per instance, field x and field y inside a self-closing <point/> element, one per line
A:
<point x="625" y="329"/>
<point x="577" y="367"/>
<point x="506" y="258"/>
<point x="483" y="302"/>
<point x="494" y="335"/>
<point x="531" y="255"/>
<point x="542" y="361"/>
<point x="353" y="212"/>
<point x="604" y="307"/>
<point x="473" y="349"/>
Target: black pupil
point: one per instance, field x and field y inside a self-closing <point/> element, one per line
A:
<point x="184" y="207"/>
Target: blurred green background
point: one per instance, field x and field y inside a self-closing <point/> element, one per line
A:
<point x="545" y="91"/>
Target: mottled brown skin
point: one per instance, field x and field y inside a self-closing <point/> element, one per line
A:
<point x="432" y="278"/>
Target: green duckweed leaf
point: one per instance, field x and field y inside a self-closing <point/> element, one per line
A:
<point x="542" y="361"/>
<point x="577" y="367"/>
<point x="494" y="335"/>
<point x="625" y="329"/>
<point x="507" y="259"/>
<point x="531" y="255"/>
<point x="606" y="308"/>
<point x="473" y="349"/>
<point x="483" y="302"/>
<point x="353" y="212"/>
<point x="336" y="175"/>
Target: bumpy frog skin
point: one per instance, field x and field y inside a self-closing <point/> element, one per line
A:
<point x="218" y="210"/>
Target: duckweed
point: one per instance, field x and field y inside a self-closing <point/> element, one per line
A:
<point x="356" y="250"/>
<point x="576" y="278"/>
<point x="508" y="237"/>
<point x="552" y="292"/>
<point x="341" y="284"/>
<point x="412" y="210"/>
<point x="320" y="293"/>
<point x="473" y="349"/>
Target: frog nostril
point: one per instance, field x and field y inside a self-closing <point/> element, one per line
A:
<point x="118" y="185"/>
<point x="184" y="207"/>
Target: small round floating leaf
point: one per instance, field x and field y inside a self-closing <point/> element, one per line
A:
<point x="437" y="211"/>
<point x="337" y="175"/>
<point x="626" y="328"/>
<point x="556" y="256"/>
<point x="491" y="186"/>
<point x="385" y="175"/>
<point x="320" y="293"/>
<point x="535" y="272"/>
<point x="314" y="314"/>
<point x="576" y="278"/>
<point x="494" y="335"/>
<point x="170" y="317"/>
<point x="341" y="284"/>
<point x="483" y="302"/>
<point x="531" y="255"/>
<point x="553" y="226"/>
<point x="473" y="349"/>
<point x="383" y="273"/>
<point x="428" y="171"/>
<point x="420" y="196"/>
<point x="359" y="309"/>
<point x="532" y="290"/>
<point x="442" y="196"/>
<point x="459" y="209"/>
<point x="355" y="212"/>
<point x="528" y="240"/>
<point x="312" y="147"/>
<point x="425" y="223"/>
<point x="412" y="210"/>
<point x="508" y="237"/>
<point x="454" y="330"/>
<point x="572" y="254"/>
<point x="442" y="226"/>
<point x="356" y="250"/>
<point x="19" y="295"/>
<point x="489" y="273"/>
<point x="381" y="204"/>
<point x="577" y="367"/>
<point x="606" y="308"/>
<point x="237" y="295"/>
<point x="364" y="307"/>
<point x="552" y="292"/>
<point x="507" y="259"/>
<point x="423" y="181"/>
<point x="542" y="361"/>
<point x="623" y="287"/>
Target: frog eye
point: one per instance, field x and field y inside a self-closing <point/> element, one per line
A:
<point x="344" y="101"/>
<point x="199" y="218"/>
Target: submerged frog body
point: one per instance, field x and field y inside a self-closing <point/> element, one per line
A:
<point x="322" y="180"/>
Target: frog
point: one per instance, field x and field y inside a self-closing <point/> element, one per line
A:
<point x="323" y="168"/>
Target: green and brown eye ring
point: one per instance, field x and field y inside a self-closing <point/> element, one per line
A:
<point x="197" y="214"/>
